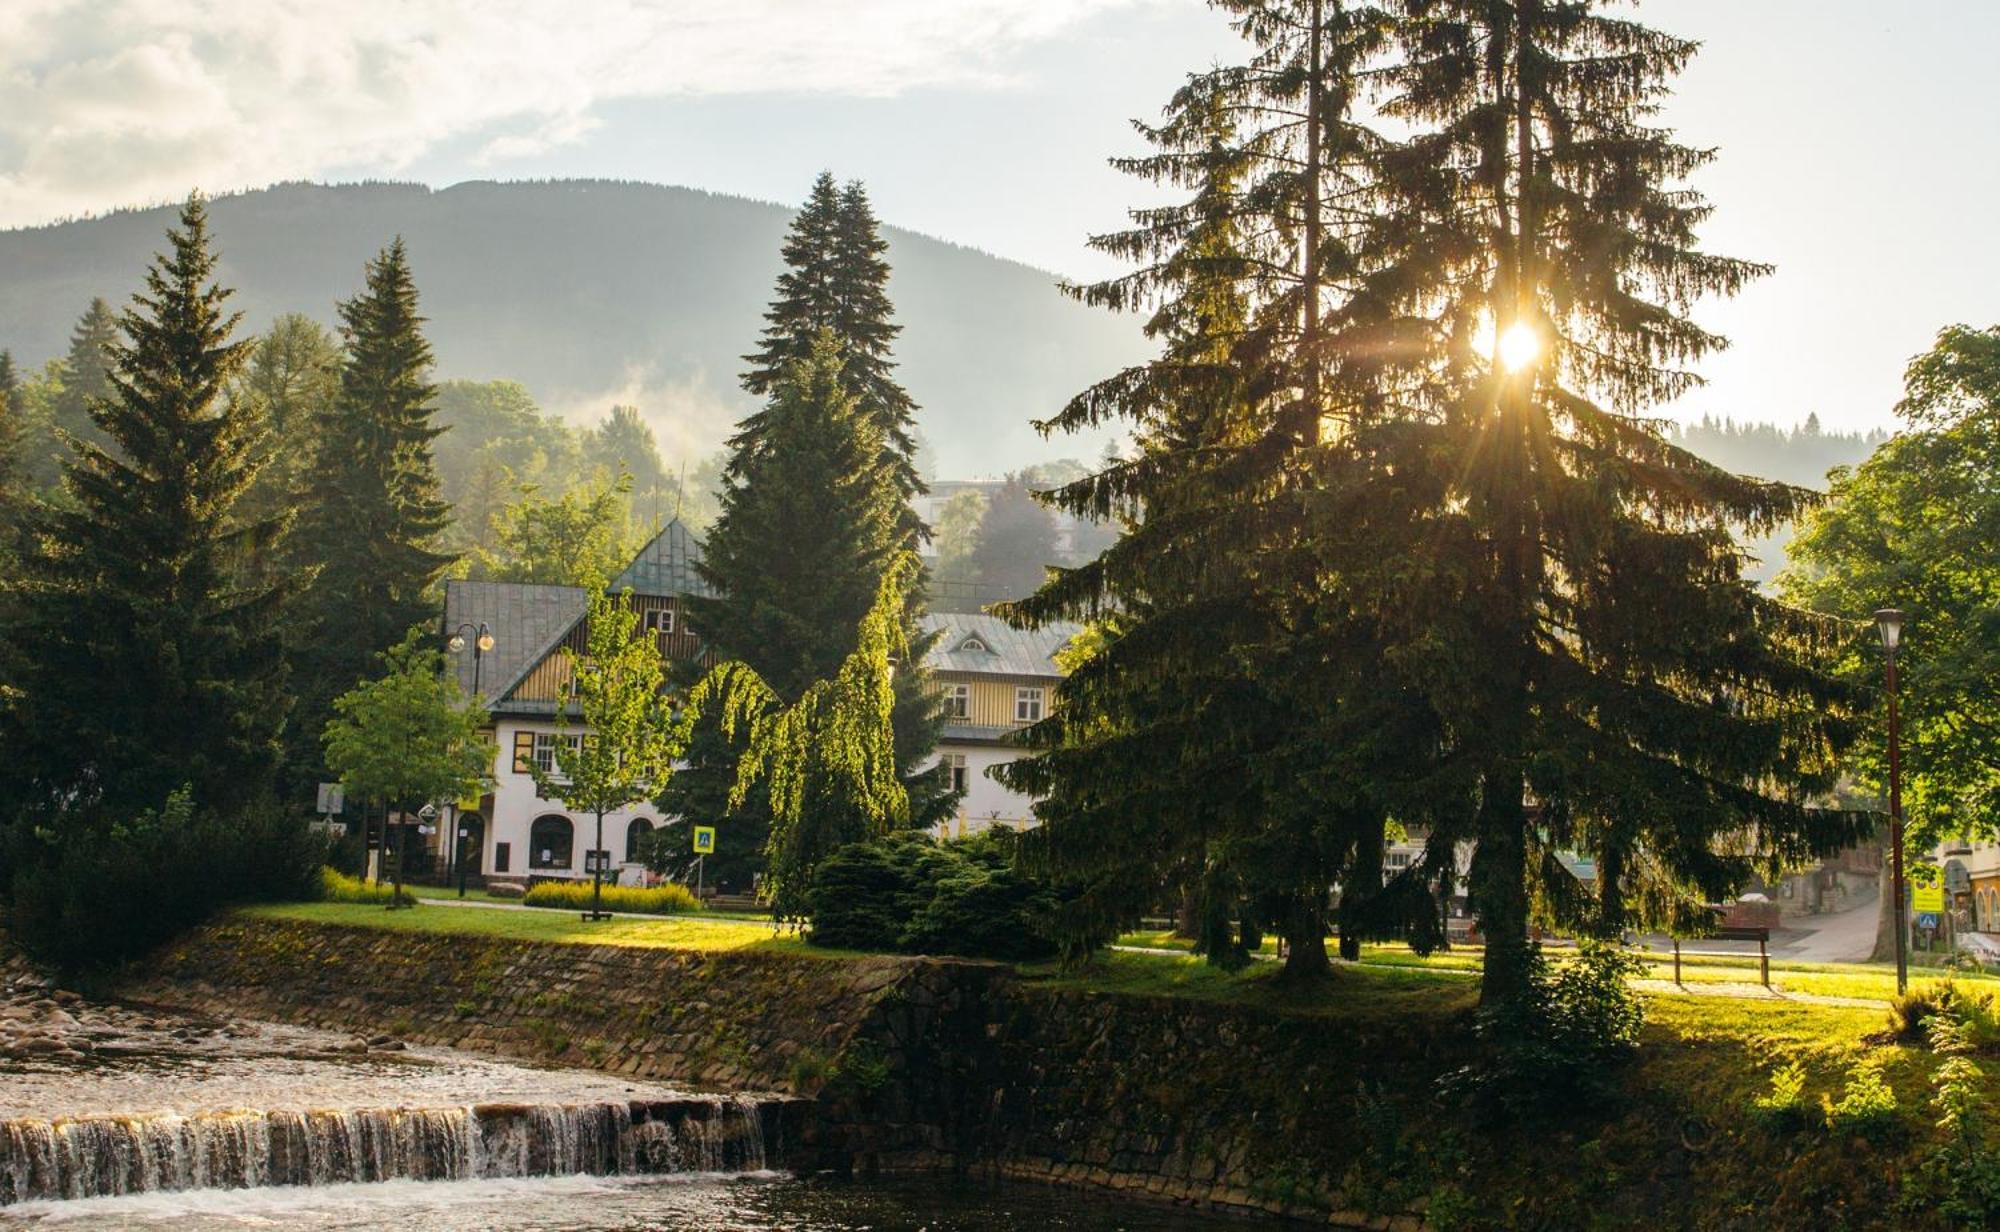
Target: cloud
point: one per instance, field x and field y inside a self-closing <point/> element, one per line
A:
<point x="110" y="102"/>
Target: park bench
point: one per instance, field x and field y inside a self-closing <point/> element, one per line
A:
<point x="1762" y="936"/>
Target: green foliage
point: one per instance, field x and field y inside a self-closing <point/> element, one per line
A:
<point x="289" y="383"/>
<point x="1958" y="1178"/>
<point x="142" y="654"/>
<point x="1866" y="1108"/>
<point x="90" y="891"/>
<point x="666" y="899"/>
<point x="408" y="737"/>
<point x="828" y="761"/>
<point x="631" y="733"/>
<point x="1560" y="1044"/>
<point x="86" y="382"/>
<point x="1913" y="527"/>
<point x="909" y="893"/>
<point x="337" y="887"/>
<point x="1784" y="1109"/>
<point x="1949" y="1004"/>
<point x="577" y="539"/>
<point x="372" y="521"/>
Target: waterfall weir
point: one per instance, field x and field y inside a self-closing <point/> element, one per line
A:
<point x="98" y="1156"/>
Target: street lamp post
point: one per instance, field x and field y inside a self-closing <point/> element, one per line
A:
<point x="1889" y="621"/>
<point x="482" y="641"/>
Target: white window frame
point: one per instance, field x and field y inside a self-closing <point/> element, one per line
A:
<point x="660" y="620"/>
<point x="545" y="750"/>
<point x="956" y="773"/>
<point x="1030" y="701"/>
<point x="957" y="701"/>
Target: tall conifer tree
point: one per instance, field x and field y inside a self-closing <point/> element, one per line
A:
<point x="1557" y="581"/>
<point x="373" y="517"/>
<point x="86" y="371"/>
<point x="13" y="443"/>
<point x="1192" y="748"/>
<point x="145" y="657"/>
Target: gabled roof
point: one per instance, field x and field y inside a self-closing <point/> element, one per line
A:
<point x="665" y="566"/>
<point x="971" y="643"/>
<point x="528" y="621"/>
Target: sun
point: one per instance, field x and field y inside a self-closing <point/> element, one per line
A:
<point x="1518" y="346"/>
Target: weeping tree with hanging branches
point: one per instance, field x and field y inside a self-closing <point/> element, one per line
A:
<point x="1559" y="583"/>
<point x="827" y="760"/>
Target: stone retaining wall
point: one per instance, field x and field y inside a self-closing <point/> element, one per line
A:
<point x="916" y="1064"/>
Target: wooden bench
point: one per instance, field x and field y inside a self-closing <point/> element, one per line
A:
<point x="1762" y="936"/>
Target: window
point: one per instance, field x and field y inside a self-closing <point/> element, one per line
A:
<point x="660" y="620"/>
<point x="503" y="857"/>
<point x="955" y="765"/>
<point x="545" y="749"/>
<point x="957" y="701"/>
<point x="635" y="839"/>
<point x="1028" y="705"/>
<point x="524" y="752"/>
<point x="550" y="842"/>
<point x="972" y="645"/>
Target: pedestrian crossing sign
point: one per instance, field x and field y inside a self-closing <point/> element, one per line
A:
<point x="704" y="840"/>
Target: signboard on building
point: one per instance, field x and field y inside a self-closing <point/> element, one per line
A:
<point x="331" y="798"/>
<point x="704" y="840"/>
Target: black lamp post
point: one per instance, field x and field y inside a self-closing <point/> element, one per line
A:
<point x="482" y="641"/>
<point x="1889" y="621"/>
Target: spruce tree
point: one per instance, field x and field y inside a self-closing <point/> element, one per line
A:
<point x="1556" y="580"/>
<point x="291" y="379"/>
<point x="1015" y="545"/>
<point x="836" y="278"/>
<point x="145" y="656"/>
<point x="86" y="373"/>
<point x="1192" y="748"/>
<point x="373" y="516"/>
<point x="13" y="443"/>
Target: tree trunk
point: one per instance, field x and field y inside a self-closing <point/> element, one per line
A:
<point x="1305" y="940"/>
<point x="1187" y="917"/>
<point x="1364" y="882"/>
<point x="1885" y="917"/>
<point x="1611" y="892"/>
<point x="1500" y="890"/>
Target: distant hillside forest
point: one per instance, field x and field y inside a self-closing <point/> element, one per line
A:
<point x="590" y="293"/>
<point x="1801" y="456"/>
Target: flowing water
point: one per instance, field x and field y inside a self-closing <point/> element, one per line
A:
<point x="755" y="1203"/>
<point x="134" y="1119"/>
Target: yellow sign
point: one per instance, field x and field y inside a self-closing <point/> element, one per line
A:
<point x="1927" y="897"/>
<point x="704" y="840"/>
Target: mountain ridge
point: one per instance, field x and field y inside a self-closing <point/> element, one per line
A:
<point x="595" y="292"/>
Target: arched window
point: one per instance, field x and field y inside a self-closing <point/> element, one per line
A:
<point x="551" y="841"/>
<point x="635" y="839"/>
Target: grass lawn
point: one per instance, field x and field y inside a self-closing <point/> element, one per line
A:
<point x="663" y="932"/>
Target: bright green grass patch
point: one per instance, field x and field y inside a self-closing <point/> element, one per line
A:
<point x="1348" y="990"/>
<point x="669" y="899"/>
<point x="559" y="927"/>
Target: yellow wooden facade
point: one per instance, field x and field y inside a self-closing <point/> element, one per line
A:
<point x="548" y="680"/>
<point x="991" y="701"/>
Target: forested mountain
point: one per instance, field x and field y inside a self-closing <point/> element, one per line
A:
<point x="591" y="293"/>
<point x="1799" y="456"/>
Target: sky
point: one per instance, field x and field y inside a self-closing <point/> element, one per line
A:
<point x="1856" y="137"/>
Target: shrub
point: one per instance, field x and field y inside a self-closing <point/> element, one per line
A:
<point x="668" y="899"/>
<point x="1958" y="1178"/>
<point x="909" y="893"/>
<point x="1562" y="1042"/>
<point x="87" y="891"/>
<point x="338" y="887"/>
<point x="1911" y="1015"/>
<point x="1784" y="1109"/>
<point x="1867" y="1109"/>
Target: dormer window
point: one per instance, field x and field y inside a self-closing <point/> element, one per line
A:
<point x="972" y="645"/>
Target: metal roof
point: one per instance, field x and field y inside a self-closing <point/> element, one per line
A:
<point x="988" y="644"/>
<point x="665" y="566"/>
<point x="528" y="621"/>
